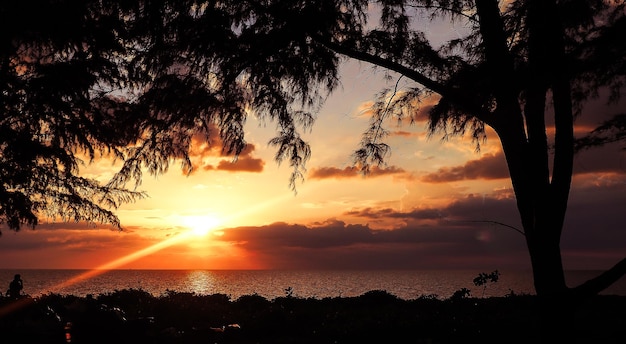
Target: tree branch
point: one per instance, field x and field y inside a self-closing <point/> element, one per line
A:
<point x="499" y="223"/>
<point x="601" y="282"/>
<point x="471" y="18"/>
<point x="456" y="97"/>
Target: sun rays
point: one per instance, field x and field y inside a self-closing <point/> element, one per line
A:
<point x="195" y="227"/>
<point x="200" y="225"/>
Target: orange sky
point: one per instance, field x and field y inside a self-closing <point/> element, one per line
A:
<point x="429" y="208"/>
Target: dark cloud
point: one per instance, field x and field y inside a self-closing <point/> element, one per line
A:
<point x="335" y="244"/>
<point x="609" y="158"/>
<point x="477" y="231"/>
<point x="68" y="241"/>
<point x="471" y="232"/>
<point x="489" y="166"/>
<point x="471" y="211"/>
<point x="330" y="234"/>
<point x="493" y="166"/>
<point x="598" y="110"/>
<point x="79" y="226"/>
<point x="352" y="172"/>
<point x="372" y="213"/>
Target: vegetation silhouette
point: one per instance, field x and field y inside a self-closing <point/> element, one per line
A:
<point x="58" y="67"/>
<point x="168" y="72"/>
<point x="135" y="316"/>
<point x="484" y="278"/>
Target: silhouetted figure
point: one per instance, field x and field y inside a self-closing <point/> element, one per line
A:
<point x="15" y="287"/>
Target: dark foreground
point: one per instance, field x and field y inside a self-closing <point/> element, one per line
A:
<point x="134" y="316"/>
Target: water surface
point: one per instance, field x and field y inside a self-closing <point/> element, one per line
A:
<point x="409" y="284"/>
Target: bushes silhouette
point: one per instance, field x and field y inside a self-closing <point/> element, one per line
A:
<point x="134" y="316"/>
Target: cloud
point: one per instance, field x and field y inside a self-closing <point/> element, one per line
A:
<point x="243" y="164"/>
<point x="468" y="211"/>
<point x="371" y="213"/>
<point x="209" y="157"/>
<point x="352" y="172"/>
<point x="334" y="244"/>
<point x="67" y="242"/>
<point x="280" y="234"/>
<point x="70" y="246"/>
<point x="403" y="133"/>
<point x="489" y="166"/>
<point x="607" y="159"/>
<point x="593" y="235"/>
<point x="493" y="166"/>
<point x="463" y="234"/>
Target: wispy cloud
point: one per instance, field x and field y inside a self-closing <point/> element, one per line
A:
<point x="352" y="172"/>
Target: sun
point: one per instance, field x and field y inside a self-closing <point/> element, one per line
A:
<point x="200" y="225"/>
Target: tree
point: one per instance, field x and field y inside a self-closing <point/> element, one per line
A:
<point x="138" y="81"/>
<point x="59" y="66"/>
<point x="514" y="62"/>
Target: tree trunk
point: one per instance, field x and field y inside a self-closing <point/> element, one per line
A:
<point x="539" y="219"/>
<point x="545" y="257"/>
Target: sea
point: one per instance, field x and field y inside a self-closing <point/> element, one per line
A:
<point x="405" y="284"/>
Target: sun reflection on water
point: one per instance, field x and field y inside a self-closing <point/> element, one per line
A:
<point x="201" y="282"/>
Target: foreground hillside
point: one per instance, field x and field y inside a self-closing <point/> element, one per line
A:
<point x="134" y="316"/>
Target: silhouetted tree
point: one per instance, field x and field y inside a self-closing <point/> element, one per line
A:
<point x="140" y="81"/>
<point x="515" y="60"/>
<point x="212" y="62"/>
<point x="59" y="70"/>
<point x="518" y="62"/>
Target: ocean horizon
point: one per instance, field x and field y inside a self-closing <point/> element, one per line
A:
<point x="405" y="284"/>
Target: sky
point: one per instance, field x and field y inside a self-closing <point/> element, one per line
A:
<point x="435" y="205"/>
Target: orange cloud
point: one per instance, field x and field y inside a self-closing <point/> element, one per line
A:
<point x="402" y="133"/>
<point x="203" y="156"/>
<point x="465" y="233"/>
<point x="352" y="172"/>
<point x="493" y="166"/>
<point x="243" y="164"/>
<point x="417" y="213"/>
<point x="489" y="166"/>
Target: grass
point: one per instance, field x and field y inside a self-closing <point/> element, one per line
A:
<point x="135" y="316"/>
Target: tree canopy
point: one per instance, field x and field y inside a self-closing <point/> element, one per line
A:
<point x="59" y="66"/>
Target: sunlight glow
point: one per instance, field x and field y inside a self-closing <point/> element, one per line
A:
<point x="200" y="225"/>
<point x="103" y="268"/>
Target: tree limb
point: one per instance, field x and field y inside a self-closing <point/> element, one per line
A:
<point x="597" y="284"/>
<point x="499" y="223"/>
<point x="456" y="97"/>
<point x="444" y="9"/>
